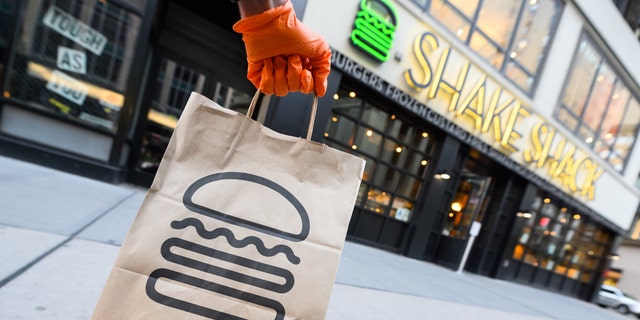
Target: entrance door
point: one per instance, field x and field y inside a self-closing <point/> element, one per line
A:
<point x="193" y="55"/>
<point x="464" y="209"/>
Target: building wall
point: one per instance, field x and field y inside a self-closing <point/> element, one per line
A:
<point x="413" y="22"/>
<point x="628" y="262"/>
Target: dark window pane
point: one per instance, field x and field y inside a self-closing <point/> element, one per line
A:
<point x="393" y="153"/>
<point x="347" y="102"/>
<point x="340" y="128"/>
<point x="367" y="141"/>
<point x="375" y="117"/>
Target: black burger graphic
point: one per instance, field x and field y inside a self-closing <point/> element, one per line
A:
<point x="219" y="261"/>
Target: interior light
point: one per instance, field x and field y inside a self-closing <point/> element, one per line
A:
<point x="459" y="32"/>
<point x="444" y="176"/>
<point x="533" y="2"/>
<point x="369" y="133"/>
<point x="450" y="214"/>
<point x="576" y="217"/>
<point x="590" y="252"/>
<point x="352" y="94"/>
<point x="547" y="200"/>
<point x="456" y="206"/>
<point x="513" y="54"/>
<point x="424" y="162"/>
<point x="600" y="78"/>
<point x="398" y="149"/>
<point x="354" y="147"/>
<point x="393" y="117"/>
<point x="326" y="134"/>
<point x="588" y="140"/>
<point x="563" y="209"/>
<point x="526" y="215"/>
<point x="608" y="135"/>
<point x="7" y="94"/>
<point x="522" y="44"/>
<point x="616" y="96"/>
<point x="336" y="97"/>
<point x="334" y="119"/>
<point x="563" y="220"/>
<point x="425" y="135"/>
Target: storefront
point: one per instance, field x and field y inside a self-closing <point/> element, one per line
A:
<point x="85" y="92"/>
<point x="468" y="145"/>
<point x="474" y="137"/>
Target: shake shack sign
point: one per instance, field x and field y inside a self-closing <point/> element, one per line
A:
<point x="74" y="30"/>
<point x="498" y="126"/>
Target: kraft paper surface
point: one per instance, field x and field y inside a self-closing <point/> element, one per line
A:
<point x="241" y="222"/>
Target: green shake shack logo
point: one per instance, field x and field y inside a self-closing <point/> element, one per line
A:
<point x="374" y="28"/>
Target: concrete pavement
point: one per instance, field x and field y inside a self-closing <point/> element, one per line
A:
<point x="60" y="234"/>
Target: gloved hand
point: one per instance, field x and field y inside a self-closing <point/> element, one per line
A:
<point x="283" y="54"/>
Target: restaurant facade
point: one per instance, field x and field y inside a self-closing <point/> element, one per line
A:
<point x="499" y="136"/>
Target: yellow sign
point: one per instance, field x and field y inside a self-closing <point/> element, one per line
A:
<point x="444" y="78"/>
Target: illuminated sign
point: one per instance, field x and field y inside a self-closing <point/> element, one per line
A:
<point x="374" y="28"/>
<point x="448" y="80"/>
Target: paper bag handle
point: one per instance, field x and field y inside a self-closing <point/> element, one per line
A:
<point x="312" y="117"/>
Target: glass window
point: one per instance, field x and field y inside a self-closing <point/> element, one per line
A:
<point x="74" y="59"/>
<point x="554" y="238"/>
<point x="8" y="21"/>
<point x="581" y="78"/>
<point x="397" y="152"/>
<point x="598" y="107"/>
<point x="513" y="36"/>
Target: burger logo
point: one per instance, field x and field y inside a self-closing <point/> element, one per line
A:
<point x="374" y="28"/>
<point x="250" y="277"/>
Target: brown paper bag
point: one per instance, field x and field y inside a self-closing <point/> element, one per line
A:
<point x="241" y="222"/>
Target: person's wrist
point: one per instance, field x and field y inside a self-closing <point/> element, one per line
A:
<point x="253" y="7"/>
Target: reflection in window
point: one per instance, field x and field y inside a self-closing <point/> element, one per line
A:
<point x="60" y="73"/>
<point x="555" y="238"/>
<point x="598" y="107"/>
<point x="466" y="205"/>
<point x="513" y="36"/>
<point x="174" y="85"/>
<point x="397" y="153"/>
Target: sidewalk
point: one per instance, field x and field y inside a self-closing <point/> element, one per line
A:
<point x="60" y="235"/>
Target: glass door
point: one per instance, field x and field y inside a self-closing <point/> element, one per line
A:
<point x="466" y="205"/>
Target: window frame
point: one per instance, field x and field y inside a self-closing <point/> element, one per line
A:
<point x="425" y="5"/>
<point x="401" y="170"/>
<point x="621" y="78"/>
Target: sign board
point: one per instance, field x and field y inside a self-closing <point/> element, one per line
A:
<point x="72" y="60"/>
<point x="68" y="87"/>
<point x="74" y="30"/>
<point x="374" y="28"/>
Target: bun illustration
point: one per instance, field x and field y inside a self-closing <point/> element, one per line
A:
<point x="252" y="272"/>
<point x="374" y="28"/>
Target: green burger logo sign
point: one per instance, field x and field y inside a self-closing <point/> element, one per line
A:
<point x="374" y="28"/>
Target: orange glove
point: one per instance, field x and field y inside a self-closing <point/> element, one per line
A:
<point x="283" y="54"/>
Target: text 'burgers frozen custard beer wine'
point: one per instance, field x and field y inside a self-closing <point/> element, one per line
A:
<point x="374" y="28"/>
<point x="226" y="262"/>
